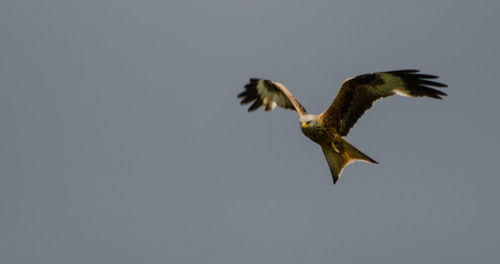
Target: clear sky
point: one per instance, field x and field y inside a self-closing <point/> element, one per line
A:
<point x="122" y="141"/>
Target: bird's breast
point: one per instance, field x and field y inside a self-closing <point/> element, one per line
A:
<point x="318" y="135"/>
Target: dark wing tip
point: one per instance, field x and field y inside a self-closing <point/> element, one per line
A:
<point x="405" y="71"/>
<point x="432" y="83"/>
<point x="430" y="92"/>
<point x="242" y="94"/>
<point x="255" y="105"/>
<point x="420" y="84"/>
<point x="250" y="94"/>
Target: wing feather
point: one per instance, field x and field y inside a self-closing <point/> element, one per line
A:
<point x="358" y="94"/>
<point x="270" y="94"/>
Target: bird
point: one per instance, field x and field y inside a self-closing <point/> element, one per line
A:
<point x="356" y="95"/>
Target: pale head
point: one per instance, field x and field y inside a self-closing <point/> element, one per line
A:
<point x="308" y="120"/>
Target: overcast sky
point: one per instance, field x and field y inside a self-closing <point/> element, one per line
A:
<point x="122" y="141"/>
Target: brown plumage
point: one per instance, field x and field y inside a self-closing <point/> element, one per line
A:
<point x="356" y="95"/>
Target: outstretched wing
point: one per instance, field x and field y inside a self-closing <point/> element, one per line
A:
<point x="358" y="94"/>
<point x="270" y="94"/>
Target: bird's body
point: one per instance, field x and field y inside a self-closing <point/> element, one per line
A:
<point x="356" y="95"/>
<point x="309" y="125"/>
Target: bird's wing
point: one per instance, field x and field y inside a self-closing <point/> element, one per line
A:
<point x="358" y="94"/>
<point x="270" y="94"/>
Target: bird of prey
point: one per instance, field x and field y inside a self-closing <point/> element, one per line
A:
<point x="356" y="95"/>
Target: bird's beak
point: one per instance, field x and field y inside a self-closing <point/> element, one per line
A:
<point x="304" y="125"/>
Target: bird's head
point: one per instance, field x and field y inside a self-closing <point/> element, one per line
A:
<point x="308" y="121"/>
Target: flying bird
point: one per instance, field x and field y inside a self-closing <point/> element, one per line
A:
<point x="356" y="95"/>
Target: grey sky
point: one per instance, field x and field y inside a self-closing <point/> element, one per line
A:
<point x="121" y="139"/>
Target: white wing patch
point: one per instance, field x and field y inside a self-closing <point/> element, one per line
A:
<point x="401" y="93"/>
<point x="270" y="99"/>
<point x="394" y="84"/>
<point x="269" y="104"/>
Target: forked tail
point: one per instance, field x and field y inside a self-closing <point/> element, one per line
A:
<point x="340" y="154"/>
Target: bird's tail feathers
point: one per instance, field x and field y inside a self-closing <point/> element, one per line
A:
<point x="340" y="154"/>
